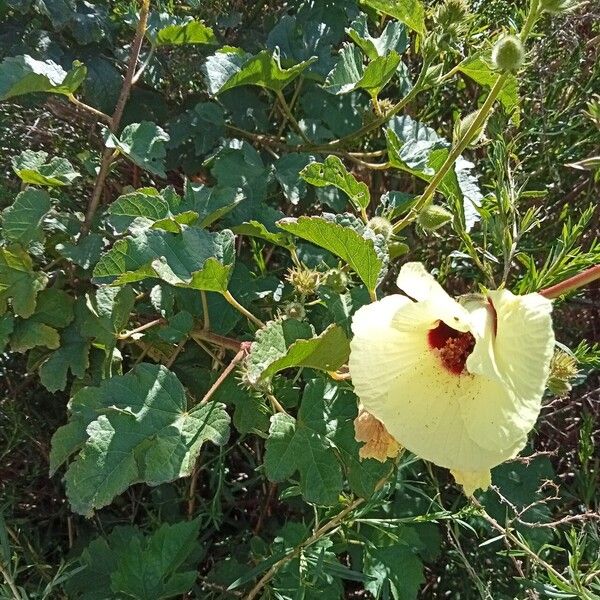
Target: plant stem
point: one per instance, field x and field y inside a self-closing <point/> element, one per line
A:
<point x="98" y="113"/>
<point x="572" y="283"/>
<point x="455" y="152"/>
<point x="216" y="339"/>
<point x="329" y="526"/>
<point x="227" y="295"/>
<point x="223" y="376"/>
<point x="205" y="309"/>
<point x="10" y="582"/>
<point x="115" y="120"/>
<point x="141" y="328"/>
<point x="288" y="113"/>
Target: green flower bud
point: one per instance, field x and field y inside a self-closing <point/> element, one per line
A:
<point x="306" y="281"/>
<point x="433" y="217"/>
<point x="508" y="54"/>
<point x="381" y="226"/>
<point x="465" y="124"/>
<point x="294" y="310"/>
<point x="336" y="279"/>
<point x="563" y="369"/>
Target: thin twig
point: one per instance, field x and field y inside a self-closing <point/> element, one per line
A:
<point x="115" y="121"/>
<point x="223" y="376"/>
<point x="98" y="113"/>
<point x="227" y="295"/>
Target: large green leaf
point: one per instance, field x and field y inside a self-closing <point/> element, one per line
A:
<point x="54" y="310"/>
<point x="144" y="144"/>
<point x="307" y="445"/>
<point x="480" y="71"/>
<point x="411" y="12"/>
<point x="363" y="251"/>
<point x="22" y="221"/>
<point x="132" y="428"/>
<point x="194" y="258"/>
<point x="31" y="167"/>
<point x="190" y="32"/>
<point x="19" y="282"/>
<point x="393" y="37"/>
<point x="24" y="75"/>
<point x="129" y="564"/>
<point x="7" y="324"/>
<point x="350" y="73"/>
<point x="333" y="172"/>
<point x="231" y="67"/>
<point x="289" y="343"/>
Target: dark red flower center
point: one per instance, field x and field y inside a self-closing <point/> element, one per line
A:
<point x="452" y="346"/>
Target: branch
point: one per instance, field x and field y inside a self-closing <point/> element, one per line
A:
<point x="115" y="120"/>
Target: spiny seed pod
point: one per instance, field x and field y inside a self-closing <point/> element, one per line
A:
<point x="336" y="279"/>
<point x="262" y="386"/>
<point x="305" y="280"/>
<point x="433" y="217"/>
<point x="294" y="310"/>
<point x="556" y="6"/>
<point x="381" y="226"/>
<point x="451" y="13"/>
<point x="563" y="369"/>
<point x="508" y="54"/>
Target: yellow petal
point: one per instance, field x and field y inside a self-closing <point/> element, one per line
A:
<point x="472" y="480"/>
<point x="420" y="285"/>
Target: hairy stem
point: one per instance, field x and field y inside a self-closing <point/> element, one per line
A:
<point x="227" y="295"/>
<point x="572" y="283"/>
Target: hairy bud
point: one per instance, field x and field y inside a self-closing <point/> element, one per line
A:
<point x="381" y="226"/>
<point x="556" y="6"/>
<point x="294" y="310"/>
<point x="336" y="279"/>
<point x="563" y="369"/>
<point x="465" y="124"/>
<point x="306" y="281"/>
<point x="508" y="54"/>
<point x="433" y="217"/>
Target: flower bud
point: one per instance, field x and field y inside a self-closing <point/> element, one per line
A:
<point x="305" y="280"/>
<point x="563" y="369"/>
<point x="381" y="226"/>
<point x="508" y="54"/>
<point x="294" y="310"/>
<point x="433" y="217"/>
<point x="336" y="279"/>
<point x="465" y="124"/>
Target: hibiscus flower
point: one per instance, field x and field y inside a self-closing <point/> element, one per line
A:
<point x="458" y="383"/>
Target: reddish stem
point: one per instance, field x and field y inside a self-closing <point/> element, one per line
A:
<point x="572" y="283"/>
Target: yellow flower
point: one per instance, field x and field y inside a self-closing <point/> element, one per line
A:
<point x="458" y="384"/>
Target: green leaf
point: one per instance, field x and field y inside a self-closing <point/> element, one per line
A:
<point x="350" y="74"/>
<point x="481" y="72"/>
<point x="144" y="202"/>
<point x="307" y="445"/>
<point x="31" y="167"/>
<point x="411" y="12"/>
<point x="256" y="229"/>
<point x="130" y="564"/>
<point x="327" y="351"/>
<point x="363" y="251"/>
<point x="393" y="37"/>
<point x="132" y="428"/>
<point x="144" y="144"/>
<point x="194" y="258"/>
<point x="54" y="309"/>
<point x="333" y="172"/>
<point x="287" y="172"/>
<point x="191" y="32"/>
<point x="394" y="567"/>
<point x="24" y="75"/>
<point x="22" y="221"/>
<point x="201" y="128"/>
<point x="7" y="323"/>
<point x="19" y="282"/>
<point x="85" y="252"/>
<point x="231" y="67"/>
<point x="272" y="343"/>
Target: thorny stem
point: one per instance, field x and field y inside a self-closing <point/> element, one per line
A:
<point x="115" y="120"/>
<point x="227" y="295"/>
<point x="572" y="283"/>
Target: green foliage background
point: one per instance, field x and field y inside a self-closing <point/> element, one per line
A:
<point x="148" y="449"/>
